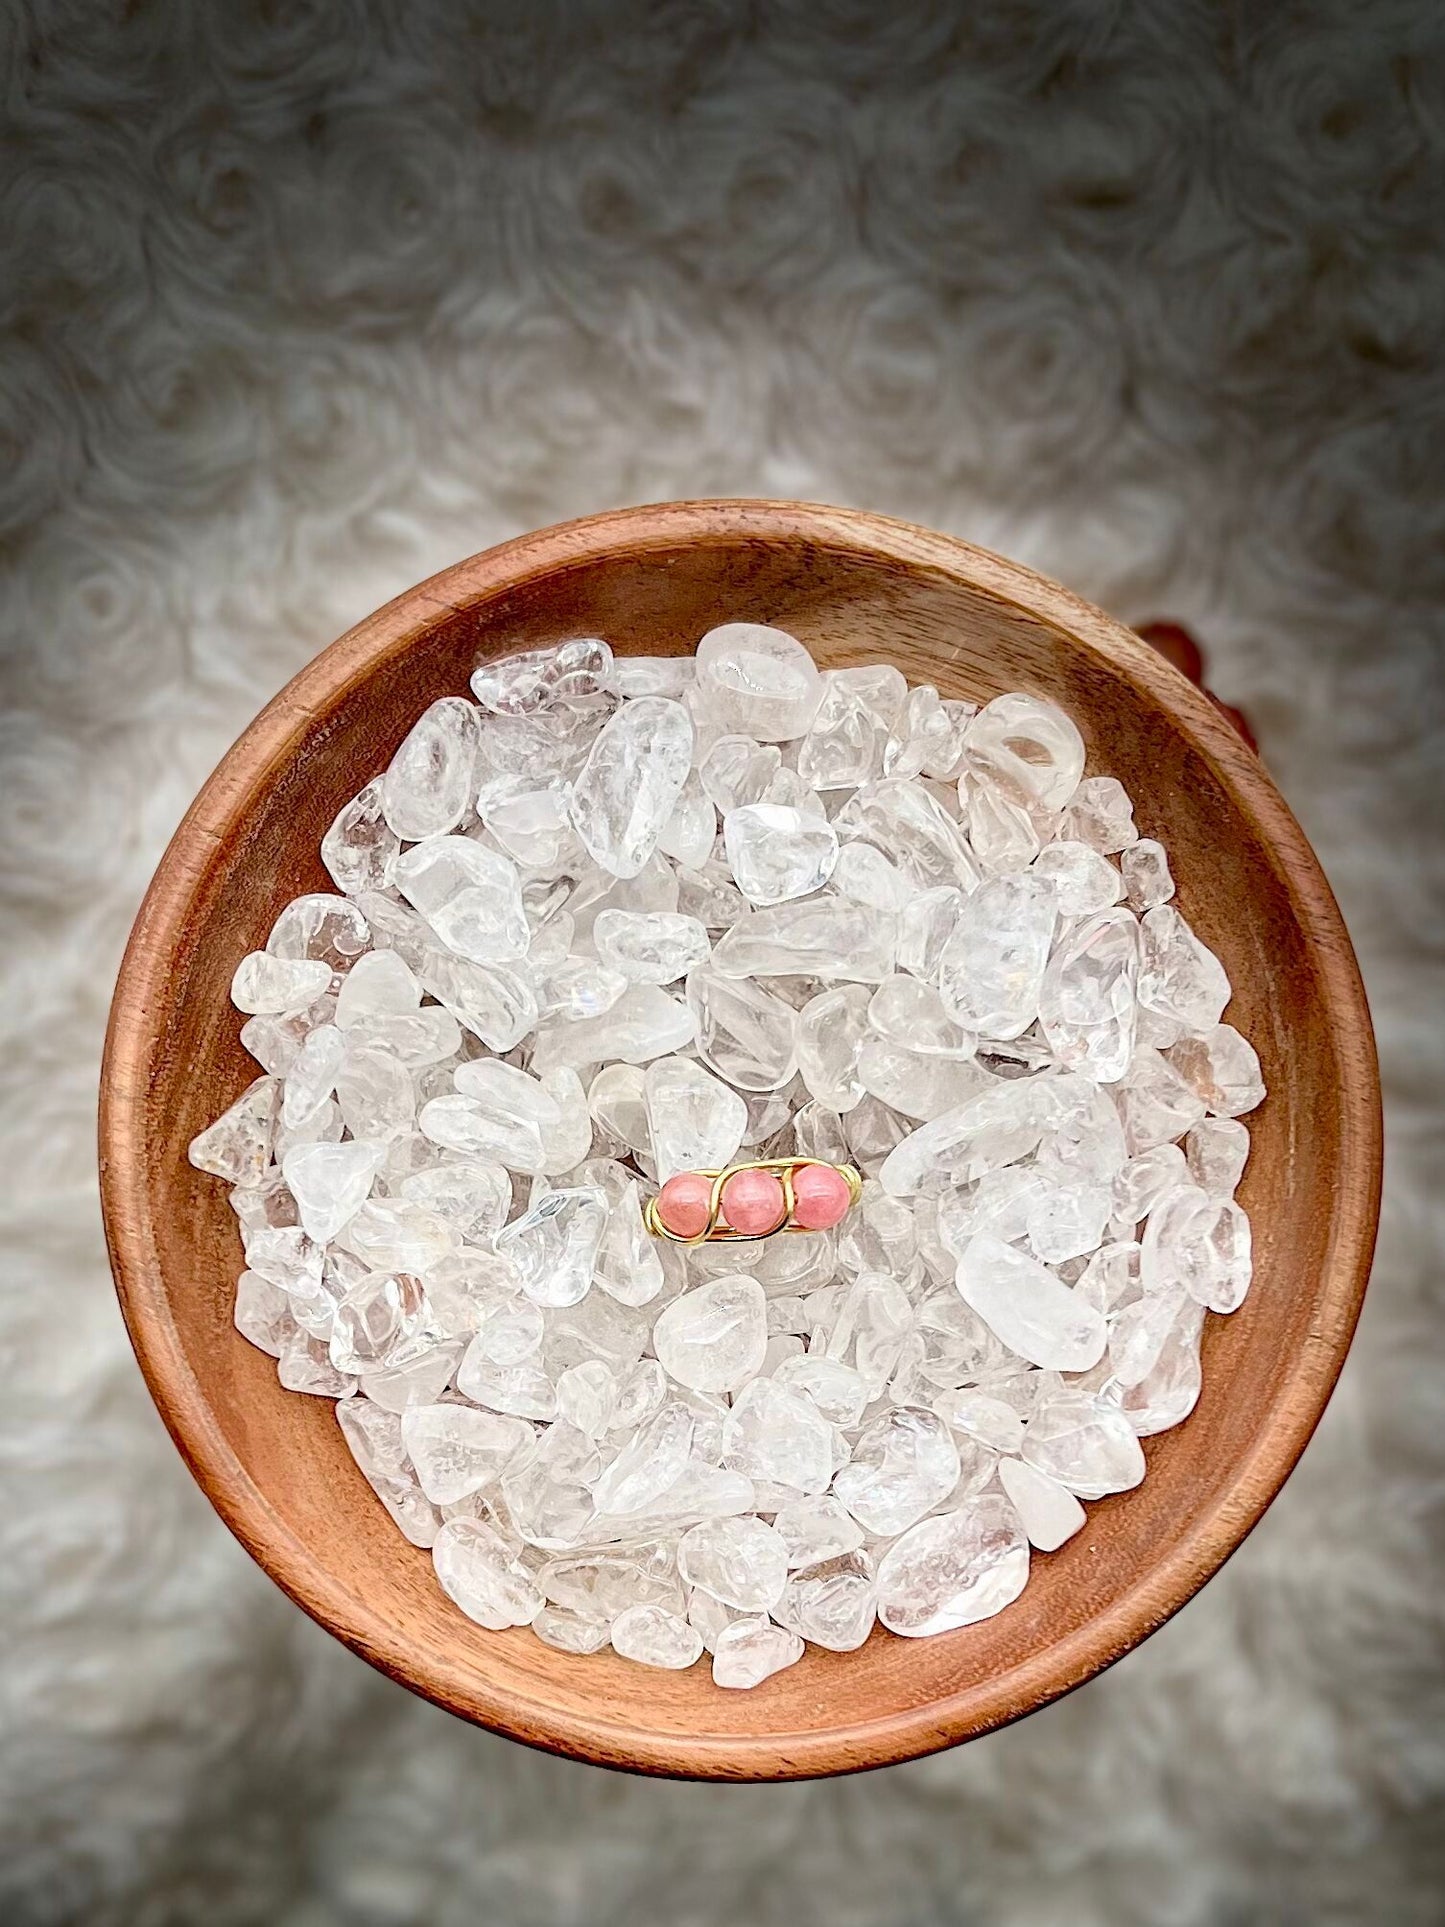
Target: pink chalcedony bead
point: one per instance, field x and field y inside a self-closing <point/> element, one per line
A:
<point x="684" y="1204"/>
<point x="753" y="1202"/>
<point x="820" y="1197"/>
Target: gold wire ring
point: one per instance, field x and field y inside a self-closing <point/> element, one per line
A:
<point x="718" y="1231"/>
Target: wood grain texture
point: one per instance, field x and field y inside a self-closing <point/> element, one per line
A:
<point x="857" y="588"/>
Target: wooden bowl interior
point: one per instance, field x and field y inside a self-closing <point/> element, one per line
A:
<point x="274" y="1462"/>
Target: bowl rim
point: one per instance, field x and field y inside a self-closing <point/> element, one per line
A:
<point x="143" y="984"/>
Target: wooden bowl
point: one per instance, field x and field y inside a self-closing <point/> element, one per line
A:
<point x="856" y="588"/>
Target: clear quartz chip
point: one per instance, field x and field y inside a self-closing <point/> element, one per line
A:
<point x="913" y="829"/>
<point x="695" y="1123"/>
<point x="832" y="1029"/>
<point x="428" y="786"/>
<point x="953" y="1569"/>
<point x="1101" y="815"/>
<point x="1030" y="1309"/>
<point x="1087" y="1003"/>
<point x="1028" y="748"/>
<point x="1222" y="1070"/>
<point x="831" y="1603"/>
<point x="740" y="1561"/>
<point x="655" y="1637"/>
<point x="776" y="1434"/>
<point x="992" y="968"/>
<point x="1147" y="879"/>
<point x="1178" y="977"/>
<point x="320" y="928"/>
<point x="777" y="853"/>
<point x="849" y="735"/>
<point x="330" y="1183"/>
<point x="1085" y="881"/>
<point x="628" y="787"/>
<point x="1217" y="1150"/>
<point x="268" y="986"/>
<point x="924" y="928"/>
<point x="903" y="1465"/>
<point x="748" y="1036"/>
<point x="469" y="894"/>
<point x="482" y="1574"/>
<point x="816" y="937"/>
<point x="456" y="1450"/>
<point x="1048" y="1511"/>
<point x="752" y="1650"/>
<point x="1084" y="1443"/>
<point x="237" y="1147"/>
<point x="553" y="1247"/>
<point x="650" y="946"/>
<point x="712" y="1339"/>
<point x="643" y="1024"/>
<point x="359" y="847"/>
<point x="756" y="681"/>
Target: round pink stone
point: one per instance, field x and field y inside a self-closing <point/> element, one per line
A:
<point x="753" y="1203"/>
<point x="820" y="1197"/>
<point x="684" y="1204"/>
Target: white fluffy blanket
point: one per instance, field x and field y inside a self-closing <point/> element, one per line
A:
<point x="302" y="302"/>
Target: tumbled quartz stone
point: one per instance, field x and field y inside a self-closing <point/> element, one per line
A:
<point x="531" y="679"/>
<point x="262" y="1313"/>
<point x="979" y="1415"/>
<point x="927" y="736"/>
<point x="630" y="783"/>
<point x="571" y="1632"/>
<point x="924" y="929"/>
<point x="469" y="894"/>
<point x="1084" y="1443"/>
<point x="644" y="1024"/>
<point x="903" y="1465"/>
<point x="1000" y="831"/>
<point x="953" y="1569"/>
<point x="1067" y="1221"/>
<point x="650" y="947"/>
<point x="1139" y="1185"/>
<point x="752" y="1650"/>
<point x="1029" y="1308"/>
<point x="1217" y="1150"/>
<point x="864" y="875"/>
<point x="1087" y="1001"/>
<point x="1156" y="1106"/>
<point x="427" y="788"/>
<point x="480" y="1572"/>
<point x="756" y="681"/>
<point x="778" y="853"/>
<point x="587" y="1397"/>
<point x="713" y="1339"/>
<point x="320" y="928"/>
<point x="376" y="1094"/>
<point x="997" y="1127"/>
<point x="523" y="1390"/>
<point x="358" y="848"/>
<point x="655" y="1637"/>
<point x="817" y="1528"/>
<point x="1048" y="1512"/>
<point x="913" y="830"/>
<point x="1101" y="815"/>
<point x="267" y="986"/>
<point x="696" y="1123"/>
<point x="1222" y="1069"/>
<point x="1145" y="870"/>
<point x="1178" y="977"/>
<point x="738" y="770"/>
<point x="1029" y="748"/>
<point x="330" y="1182"/>
<point x="849" y="734"/>
<point x="1085" y="881"/>
<point x="628" y="1265"/>
<point x="237" y="1147"/>
<point x="817" y="937"/>
<point x="992" y="968"/>
<point x="380" y="984"/>
<point x="553" y="1246"/>
<point x="910" y="1013"/>
<point x="1168" y="1393"/>
<point x="456" y="1450"/>
<point x="774" y="1433"/>
<point x="831" y="1603"/>
<point x="745" y="1033"/>
<point x="740" y="1561"/>
<point x="647" y="1464"/>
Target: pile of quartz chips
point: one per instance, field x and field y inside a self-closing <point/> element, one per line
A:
<point x="611" y="920"/>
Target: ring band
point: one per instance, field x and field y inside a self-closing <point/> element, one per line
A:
<point x="745" y="1202"/>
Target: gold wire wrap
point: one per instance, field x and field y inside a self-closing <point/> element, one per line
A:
<point x="718" y="1231"/>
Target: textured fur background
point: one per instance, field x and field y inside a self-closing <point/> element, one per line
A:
<point x="301" y="302"/>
